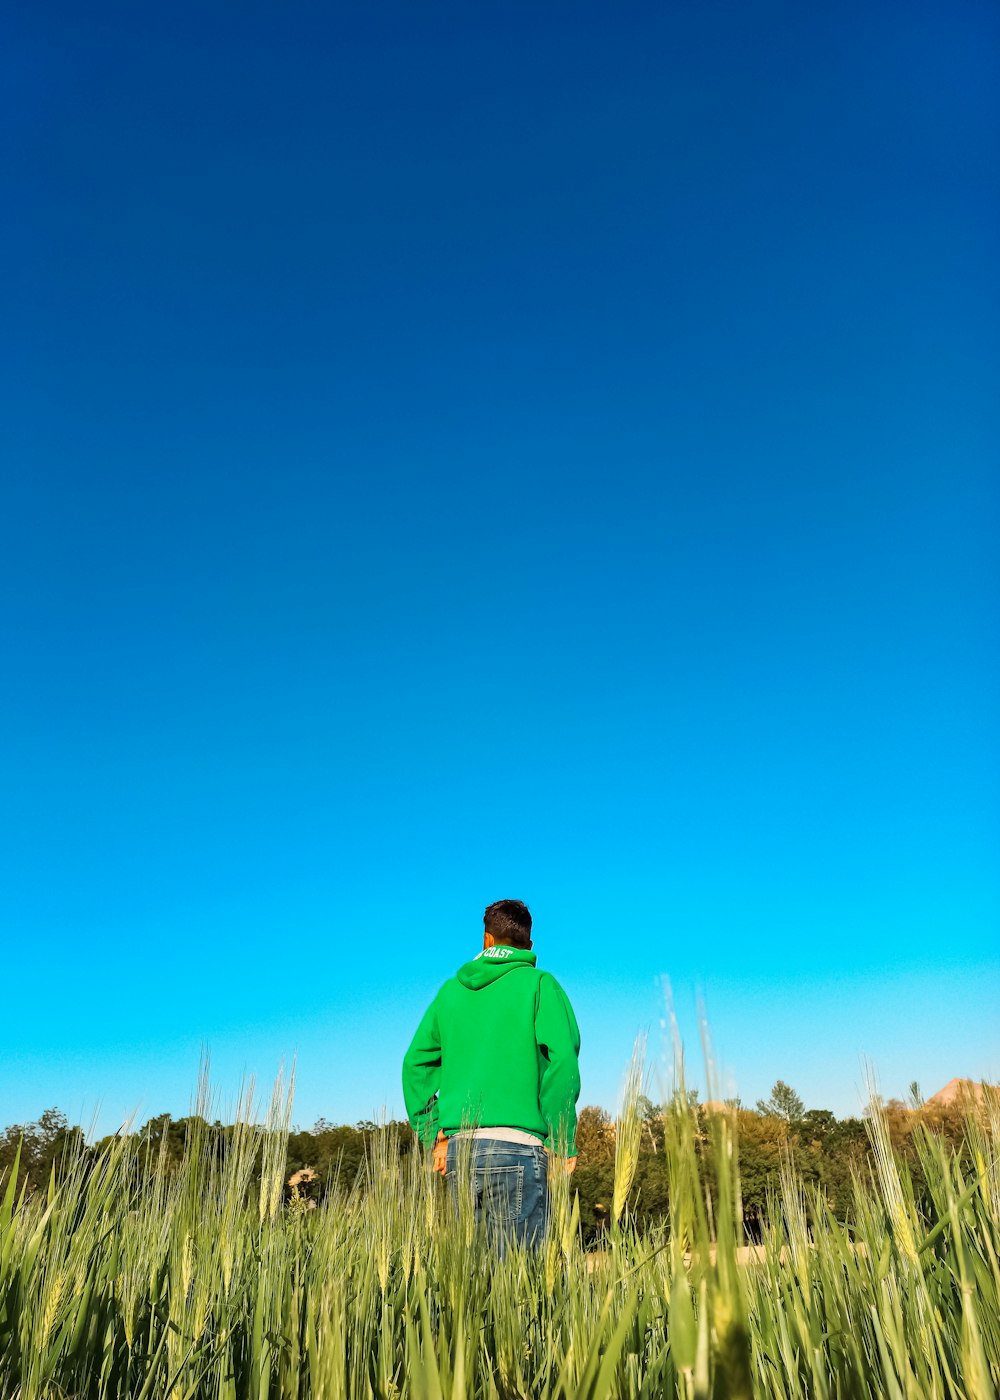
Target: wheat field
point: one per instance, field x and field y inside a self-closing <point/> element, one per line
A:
<point x="133" y="1281"/>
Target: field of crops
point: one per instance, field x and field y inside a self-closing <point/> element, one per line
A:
<point x="208" y="1281"/>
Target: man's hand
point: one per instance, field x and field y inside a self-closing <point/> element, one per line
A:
<point x="439" y="1155"/>
<point x="569" y="1163"/>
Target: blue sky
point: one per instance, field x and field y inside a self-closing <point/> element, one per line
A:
<point x="476" y="451"/>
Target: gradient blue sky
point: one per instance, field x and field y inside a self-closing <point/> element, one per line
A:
<point x="465" y="451"/>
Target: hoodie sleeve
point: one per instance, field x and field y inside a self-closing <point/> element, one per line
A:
<point x="558" y="1039"/>
<point x="422" y="1076"/>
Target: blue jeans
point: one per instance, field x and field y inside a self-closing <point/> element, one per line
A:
<point x="510" y="1187"/>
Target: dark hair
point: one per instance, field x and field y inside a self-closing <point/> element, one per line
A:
<point x="509" y="921"/>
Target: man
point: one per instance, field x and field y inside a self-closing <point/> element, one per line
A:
<point x="494" y="1065"/>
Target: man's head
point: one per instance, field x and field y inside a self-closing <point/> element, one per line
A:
<point x="508" y="922"/>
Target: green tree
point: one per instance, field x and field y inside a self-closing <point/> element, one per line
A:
<point x="44" y="1146"/>
<point x="595" y="1136"/>
<point x="784" y="1103"/>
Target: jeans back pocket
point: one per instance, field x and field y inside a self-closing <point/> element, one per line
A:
<point x="503" y="1194"/>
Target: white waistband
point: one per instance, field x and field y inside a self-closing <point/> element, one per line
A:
<point x="501" y="1135"/>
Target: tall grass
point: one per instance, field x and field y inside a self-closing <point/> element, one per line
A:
<point x="129" y="1281"/>
<point x="628" y="1131"/>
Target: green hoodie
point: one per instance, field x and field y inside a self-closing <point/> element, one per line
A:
<point x="497" y="1047"/>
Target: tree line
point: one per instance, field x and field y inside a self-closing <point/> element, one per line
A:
<point x="827" y="1152"/>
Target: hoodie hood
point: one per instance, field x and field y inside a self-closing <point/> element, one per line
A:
<point x="492" y="964"/>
